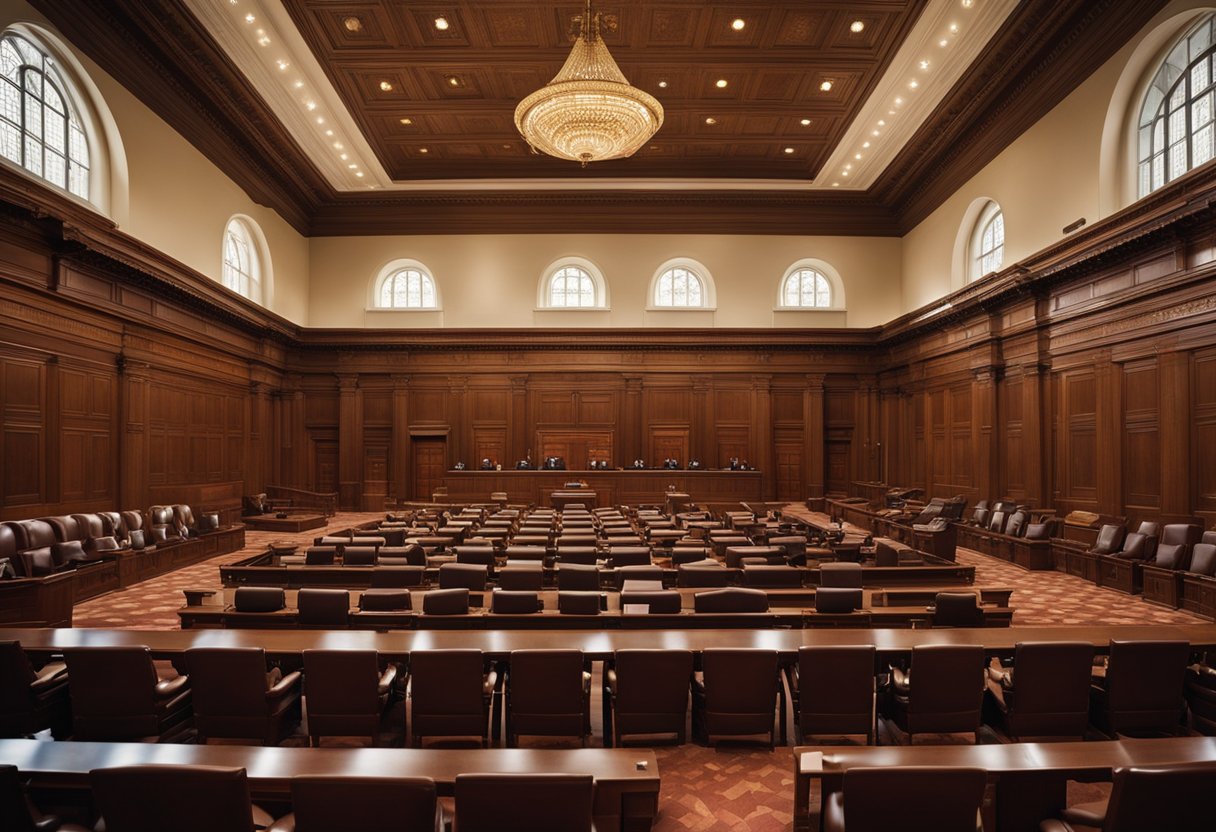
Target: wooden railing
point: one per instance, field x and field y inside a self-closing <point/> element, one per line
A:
<point x="299" y="499"/>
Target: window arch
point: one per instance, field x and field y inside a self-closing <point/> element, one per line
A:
<point x="246" y="261"/>
<point x="682" y="283"/>
<point x="1176" y="130"/>
<point x="407" y="288"/>
<point x="988" y="242"/>
<point x="572" y="283"/>
<point x="806" y="289"/>
<point x="40" y="129"/>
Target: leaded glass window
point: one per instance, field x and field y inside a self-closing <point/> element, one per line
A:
<point x="409" y="288"/>
<point x="679" y="287"/>
<point x="242" y="270"/>
<point x="990" y="253"/>
<point x="572" y="286"/>
<point x="807" y="288"/>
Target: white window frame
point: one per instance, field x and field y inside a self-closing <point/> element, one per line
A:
<point x="599" y="285"/>
<point x="393" y="267"/>
<point x="408" y="273"/>
<point x="823" y="269"/>
<point x="977" y="252"/>
<point x="260" y="273"/>
<point x="709" y="295"/>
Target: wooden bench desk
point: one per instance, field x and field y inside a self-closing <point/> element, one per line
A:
<point x="1030" y="777"/>
<point x="626" y="795"/>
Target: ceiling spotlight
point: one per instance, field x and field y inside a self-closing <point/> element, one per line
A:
<point x="359" y="174"/>
<point x="264" y="40"/>
<point x="320" y="119"/>
<point x="789" y="150"/>
<point x="806" y="122"/>
<point x="943" y="43"/>
<point x="329" y="132"/>
<point x="338" y="146"/>
<point x="720" y="83"/>
<point x="857" y="27"/>
<point x="913" y="84"/>
<point x="353" y="24"/>
<point x="453" y="81"/>
<point x="844" y="173"/>
<point x="967" y="3"/>
<point x="298" y="84"/>
<point x="441" y="23"/>
<point x="875" y="132"/>
<point x="899" y="102"/>
<point x="386" y="86"/>
<point x="343" y="156"/>
<point x="737" y="24"/>
<point x="352" y="166"/>
<point x="826" y="86"/>
<point x="835" y="184"/>
<point x="663" y="84"/>
<point x="249" y="18"/>
<point x="711" y="120"/>
<point x="954" y="28"/>
<point x="865" y="144"/>
<point x="282" y="64"/>
<point x="311" y="105"/>
<point x="857" y="156"/>
<point x="924" y="65"/>
<point x="423" y="150"/>
<point x="407" y="121"/>
<point x="882" y="123"/>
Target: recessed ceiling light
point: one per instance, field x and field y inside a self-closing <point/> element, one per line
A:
<point x="441" y="23"/>
<point x="789" y="150"/>
<point x="663" y="84"/>
<point x="329" y="132"/>
<point x="320" y="119"/>
<point x="343" y="156"/>
<point x="899" y="102"/>
<point x="282" y="64"/>
<point x="857" y="26"/>
<point x="453" y="81"/>
<point x="338" y="146"/>
<point x="856" y="155"/>
<point x="924" y="65"/>
<point x="359" y="174"/>
<point x="849" y="166"/>
<point x="711" y="120"/>
<point x="826" y="86"/>
<point x="943" y="43"/>
<point x="835" y="184"/>
<point x="264" y="40"/>
<point x="352" y="166"/>
<point x="954" y="28"/>
<point x="844" y="173"/>
<point x="737" y="24"/>
<point x="353" y="24"/>
<point x="407" y="121"/>
<point x="875" y="132"/>
<point x="882" y="123"/>
<point x="386" y="86"/>
<point x="913" y="84"/>
<point x="720" y="83"/>
<point x="249" y="18"/>
<point x="311" y="105"/>
<point x="967" y="3"/>
<point x="298" y="84"/>
<point x="865" y="144"/>
<point x="806" y="122"/>
<point x="423" y="150"/>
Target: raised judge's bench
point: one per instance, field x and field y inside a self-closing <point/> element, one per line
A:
<point x="605" y="488"/>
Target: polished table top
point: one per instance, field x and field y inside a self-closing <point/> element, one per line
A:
<point x="597" y="644"/>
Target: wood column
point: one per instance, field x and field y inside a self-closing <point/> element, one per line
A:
<point x="1035" y="432"/>
<point x="519" y="438"/>
<point x="1108" y="434"/>
<point x="132" y="489"/>
<point x="701" y="443"/>
<point x="350" y="443"/>
<point x="257" y="437"/>
<point x="813" y="473"/>
<point x="399" y="441"/>
<point x="1174" y="425"/>
<point x="762" y="454"/>
<point x="632" y="444"/>
<point x="985" y="431"/>
<point x="461" y="434"/>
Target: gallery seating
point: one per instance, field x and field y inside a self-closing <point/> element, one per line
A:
<point x="548" y="693"/>
<point x="1140" y="690"/>
<point x="236" y="696"/>
<point x="941" y="692"/>
<point x="1053" y="698"/>
<point x="646" y="693"/>
<point x="957" y="609"/>
<point x="451" y="693"/>
<point x="735" y="694"/>
<point x="346" y="692"/>
<point x="119" y="694"/>
<point x="322" y="608"/>
<point x="833" y="690"/>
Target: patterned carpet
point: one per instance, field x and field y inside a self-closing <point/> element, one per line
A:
<point x="739" y="789"/>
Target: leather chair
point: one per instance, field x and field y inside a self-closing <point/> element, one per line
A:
<point x="154" y="798"/>
<point x="120" y="695"/>
<point x="838" y="599"/>
<point x="323" y="608"/>
<point x="470" y="576"/>
<point x="163" y="525"/>
<point x="957" y="609"/>
<point x="735" y="694"/>
<point x="526" y="553"/>
<point x="327" y="803"/>
<point x="579" y="603"/>
<point x="578" y="555"/>
<point x="731" y="599"/>
<point x="646" y="693"/>
<point x="772" y="576"/>
<point x="360" y="555"/>
<point x="476" y="555"/>
<point x="522" y="576"/>
<point x="259" y="599"/>
<point x="1109" y="540"/>
<point x="833" y="689"/>
<point x="1152" y="535"/>
<point x="885" y="554"/>
<point x="629" y="556"/>
<point x="683" y="554"/>
<point x="794" y="546"/>
<point x="507" y="602"/>
<point x="32" y="700"/>
<point x="841" y="574"/>
<point x="946" y="695"/>
<point x="19" y="814"/>
<point x="320" y="555"/>
<point x="637" y="573"/>
<point x="95" y="535"/>
<point x="979" y="514"/>
<point x="235" y="697"/>
<point x="116" y="527"/>
<point x="524" y="802"/>
<point x="453" y="601"/>
<point x="548" y="694"/>
<point x="658" y="602"/>
<point x="1166" y="798"/>
<point x="1046" y="692"/>
<point x="345" y="693"/>
<point x="1037" y="531"/>
<point x="138" y="534"/>
<point x="703" y="574"/>
<point x="907" y="797"/>
<point x="1135" y="546"/>
<point x="1201" y="695"/>
<point x="450" y="694"/>
<point x="1141" y="691"/>
<point x="1015" y="526"/>
<point x="578" y="577"/>
<point x="384" y="599"/>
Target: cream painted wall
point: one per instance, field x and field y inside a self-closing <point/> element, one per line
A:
<point x="491" y="280"/>
<point x="178" y="201"/>
<point x="1052" y="175"/>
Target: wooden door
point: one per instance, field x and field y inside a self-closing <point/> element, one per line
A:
<point x="429" y="454"/>
<point x="789" y="471"/>
<point x="838" y="466"/>
<point x="327" y="467"/>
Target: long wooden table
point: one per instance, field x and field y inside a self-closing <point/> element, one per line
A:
<point x="626" y="793"/>
<point x="597" y="645"/>
<point x="1030" y="777"/>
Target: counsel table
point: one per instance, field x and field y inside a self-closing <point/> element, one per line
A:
<point x="626" y="796"/>
<point x="1030" y="777"/>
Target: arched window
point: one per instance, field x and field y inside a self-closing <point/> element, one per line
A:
<point x="39" y="128"/>
<point x="806" y="288"/>
<point x="1176" y="116"/>
<point x="408" y="288"/>
<point x="242" y="271"/>
<point x="679" y="287"/>
<point x="572" y="286"/>
<point x="988" y="242"/>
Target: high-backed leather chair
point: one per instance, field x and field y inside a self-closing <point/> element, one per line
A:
<point x="1148" y="798"/>
<point x="139" y="536"/>
<point x="735" y="694"/>
<point x="327" y="803"/>
<point x="657" y="602"/>
<point x="907" y="797"/>
<point x="1109" y="540"/>
<point x="838" y="599"/>
<point x="522" y="576"/>
<point x="320" y="555"/>
<point x="841" y="574"/>
<point x="476" y="555"/>
<point x="32" y="700"/>
<point x="570" y="602"/>
<point x="703" y="574"/>
<point x="646" y="692"/>
<point x="578" y="555"/>
<point x="979" y="514"/>
<point x="450" y="692"/>
<point x="508" y="602"/>
<point x="345" y="692"/>
<point x="115" y="526"/>
<point x="731" y="599"/>
<point x="629" y="556"/>
<point x="154" y="798"/>
<point x="453" y="601"/>
<point x="95" y="535"/>
<point x="548" y="694"/>
<point x="322" y="608"/>
<point x="1015" y="526"/>
<point x="957" y="609"/>
<point x="19" y="814"/>
<point x="163" y="525"/>
<point x="833" y="688"/>
<point x="119" y="694"/>
<point x="236" y="697"/>
<point x="355" y="555"/>
<point x="524" y="802"/>
<point x="1046" y="692"/>
<point x="578" y="577"/>
<point x="772" y="576"/>
<point x="1141" y="692"/>
<point x="470" y="576"/>
<point x="942" y="693"/>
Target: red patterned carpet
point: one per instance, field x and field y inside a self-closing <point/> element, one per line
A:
<point x="738" y="789"/>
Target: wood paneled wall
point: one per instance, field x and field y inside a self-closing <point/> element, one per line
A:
<point x="1081" y="378"/>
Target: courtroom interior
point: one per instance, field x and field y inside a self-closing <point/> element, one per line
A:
<point x="633" y="393"/>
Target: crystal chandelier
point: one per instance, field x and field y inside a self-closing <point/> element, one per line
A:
<point x="589" y="112"/>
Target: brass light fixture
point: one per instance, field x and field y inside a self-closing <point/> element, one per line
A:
<point x="589" y="112"/>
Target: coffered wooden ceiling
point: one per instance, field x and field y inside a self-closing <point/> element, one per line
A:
<point x="500" y="50"/>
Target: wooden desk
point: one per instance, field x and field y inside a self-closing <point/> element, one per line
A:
<point x="1030" y="777"/>
<point x="626" y="797"/>
<point x="612" y="487"/>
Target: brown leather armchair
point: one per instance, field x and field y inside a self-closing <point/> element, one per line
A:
<point x="578" y="555"/>
<point x="139" y="537"/>
<point x="833" y="689"/>
<point x="154" y="798"/>
<point x="548" y="694"/>
<point x="19" y="814"/>
<point x="629" y="556"/>
<point x="731" y="599"/>
<point x="524" y="802"/>
<point x="354" y="555"/>
<point x="119" y="694"/>
<point x="163" y="525"/>
<point x="328" y="803"/>
<point x="706" y="574"/>
<point x="508" y="602"/>
<point x="1046" y="691"/>
<point x="637" y="573"/>
<point x="1166" y="798"/>
<point x="579" y="603"/>
<point x="32" y="700"/>
<point x="95" y="535"/>
<point x="236" y="697"/>
<point x="646" y="693"/>
<point x="346" y="693"/>
<point x="735" y="694"/>
<point x="470" y="576"/>
<point x="578" y="577"/>
<point x="1141" y="691"/>
<point x="528" y="577"/>
<point x="320" y="555"/>
<point x="323" y="608"/>
<point x="450" y="692"/>
<point x="907" y="797"/>
<point x="1109" y="540"/>
<point x="658" y="602"/>
<point x="841" y="574"/>
<point x="947" y="693"/>
<point x="957" y="609"/>
<point x="453" y="601"/>
<point x="838" y="599"/>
